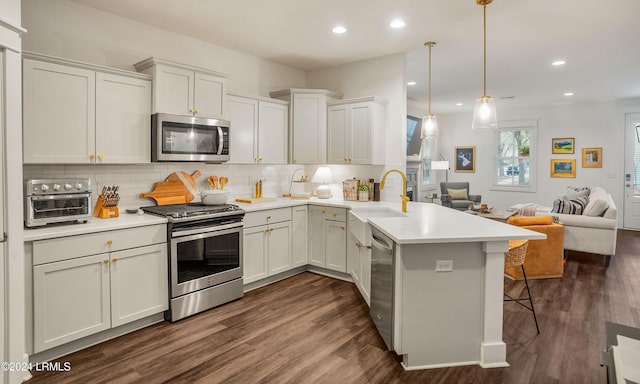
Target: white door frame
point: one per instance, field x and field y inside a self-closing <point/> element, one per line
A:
<point x="631" y="203"/>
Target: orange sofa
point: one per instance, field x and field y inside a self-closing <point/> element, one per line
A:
<point x="545" y="258"/>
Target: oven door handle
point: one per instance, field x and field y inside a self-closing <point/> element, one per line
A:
<point x="198" y="231"/>
<point x="59" y="197"/>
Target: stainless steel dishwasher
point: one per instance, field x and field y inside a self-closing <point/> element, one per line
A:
<point x="382" y="281"/>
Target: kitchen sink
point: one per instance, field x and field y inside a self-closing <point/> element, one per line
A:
<point x="359" y="225"/>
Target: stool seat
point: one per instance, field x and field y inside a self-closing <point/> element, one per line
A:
<point x="512" y="258"/>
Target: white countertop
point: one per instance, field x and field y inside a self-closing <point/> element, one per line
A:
<point x="124" y="221"/>
<point x="422" y="223"/>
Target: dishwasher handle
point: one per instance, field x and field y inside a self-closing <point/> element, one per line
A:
<point x="381" y="245"/>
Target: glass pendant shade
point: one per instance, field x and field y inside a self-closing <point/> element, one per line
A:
<point x="484" y="113"/>
<point x="429" y="126"/>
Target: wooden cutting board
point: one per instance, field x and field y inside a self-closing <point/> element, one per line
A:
<point x="252" y="200"/>
<point x="167" y="192"/>
<point x="189" y="181"/>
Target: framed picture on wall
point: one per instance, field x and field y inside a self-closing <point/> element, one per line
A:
<point x="465" y="159"/>
<point x="562" y="146"/>
<point x="592" y="157"/>
<point x="563" y="167"/>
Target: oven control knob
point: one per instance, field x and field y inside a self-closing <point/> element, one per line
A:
<point x="56" y="187"/>
<point x="44" y="187"/>
<point x="68" y="186"/>
<point x="175" y="215"/>
<point x="78" y="185"/>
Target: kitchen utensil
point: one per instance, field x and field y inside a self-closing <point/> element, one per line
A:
<point x="214" y="197"/>
<point x="189" y="182"/>
<point x="223" y="182"/>
<point x="107" y="203"/>
<point x="167" y="192"/>
<point x="213" y="182"/>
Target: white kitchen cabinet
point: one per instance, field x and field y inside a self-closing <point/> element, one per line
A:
<point x="327" y="238"/>
<point x="259" y="134"/>
<point x="360" y="266"/>
<point x="266" y="243"/>
<point x="85" y="284"/>
<point x="76" y="113"/>
<point x="299" y="235"/>
<point x="356" y="131"/>
<point x="185" y="90"/>
<point x="308" y="127"/>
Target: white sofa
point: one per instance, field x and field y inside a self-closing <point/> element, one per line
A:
<point x="591" y="234"/>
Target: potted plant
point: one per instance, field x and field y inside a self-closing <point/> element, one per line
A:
<point x="363" y="192"/>
<point x="524" y="150"/>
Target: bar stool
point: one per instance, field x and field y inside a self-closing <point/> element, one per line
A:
<point x="512" y="258"/>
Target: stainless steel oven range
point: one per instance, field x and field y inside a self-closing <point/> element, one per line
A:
<point x="205" y="256"/>
<point x="49" y="201"/>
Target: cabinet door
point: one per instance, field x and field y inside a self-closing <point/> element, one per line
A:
<point x="139" y="283"/>
<point x="336" y="245"/>
<point x="210" y="93"/>
<point x="353" y="258"/>
<point x="279" y="247"/>
<point x="360" y="133"/>
<point x="272" y="133"/>
<point x="337" y="134"/>
<point x="123" y="118"/>
<point x="58" y="112"/>
<point x="316" y="237"/>
<point x="70" y="300"/>
<point x="299" y="236"/>
<point x="243" y="114"/>
<point x="365" y="273"/>
<point x="174" y="90"/>
<point x="309" y="129"/>
<point x="254" y="257"/>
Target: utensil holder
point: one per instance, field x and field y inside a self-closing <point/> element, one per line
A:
<point x="103" y="212"/>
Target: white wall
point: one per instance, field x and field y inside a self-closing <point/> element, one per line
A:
<point x="66" y="29"/>
<point x="384" y="77"/>
<point x="596" y="124"/>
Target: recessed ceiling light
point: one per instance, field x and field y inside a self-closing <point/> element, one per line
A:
<point x="459" y="104"/>
<point x="397" y="23"/>
<point x="558" y="63"/>
<point x="338" y="29"/>
<point x="411" y="83"/>
<point x="568" y="93"/>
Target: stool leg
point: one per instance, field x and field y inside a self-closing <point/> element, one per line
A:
<point x="530" y="298"/>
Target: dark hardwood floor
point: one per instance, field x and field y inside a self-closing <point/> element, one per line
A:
<point x="314" y="329"/>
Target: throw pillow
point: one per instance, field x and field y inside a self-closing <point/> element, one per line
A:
<point x="530" y="220"/>
<point x="458" y="194"/>
<point x="573" y="192"/>
<point x="572" y="207"/>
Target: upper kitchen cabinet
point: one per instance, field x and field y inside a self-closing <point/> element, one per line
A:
<point x="356" y="131"/>
<point x="75" y="113"/>
<point x="308" y="128"/>
<point x="185" y="90"/>
<point x="258" y="129"/>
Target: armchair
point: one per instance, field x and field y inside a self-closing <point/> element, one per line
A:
<point x="456" y="195"/>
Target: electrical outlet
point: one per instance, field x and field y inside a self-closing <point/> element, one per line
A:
<point x="444" y="265"/>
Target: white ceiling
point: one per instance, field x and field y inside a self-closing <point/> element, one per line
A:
<point x="599" y="41"/>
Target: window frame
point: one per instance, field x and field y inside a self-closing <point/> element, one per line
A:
<point x="513" y="125"/>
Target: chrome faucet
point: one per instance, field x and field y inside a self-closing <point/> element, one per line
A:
<point x="404" y="196"/>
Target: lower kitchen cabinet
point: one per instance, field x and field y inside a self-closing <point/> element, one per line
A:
<point x="74" y="297"/>
<point x="267" y="247"/>
<point x="328" y="238"/>
<point x="299" y="235"/>
<point x="360" y="266"/>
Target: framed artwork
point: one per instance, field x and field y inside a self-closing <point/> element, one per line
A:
<point x="592" y="157"/>
<point x="562" y="146"/>
<point x="563" y="167"/>
<point x="465" y="159"/>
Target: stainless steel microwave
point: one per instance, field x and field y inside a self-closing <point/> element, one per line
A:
<point x="189" y="138"/>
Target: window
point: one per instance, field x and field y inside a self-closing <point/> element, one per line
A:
<point x="515" y="156"/>
<point x="414" y="131"/>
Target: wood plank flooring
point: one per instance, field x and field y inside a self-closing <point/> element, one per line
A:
<point x="314" y="329"/>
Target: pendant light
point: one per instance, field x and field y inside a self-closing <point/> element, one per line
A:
<point x="484" y="111"/>
<point x="429" y="121"/>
